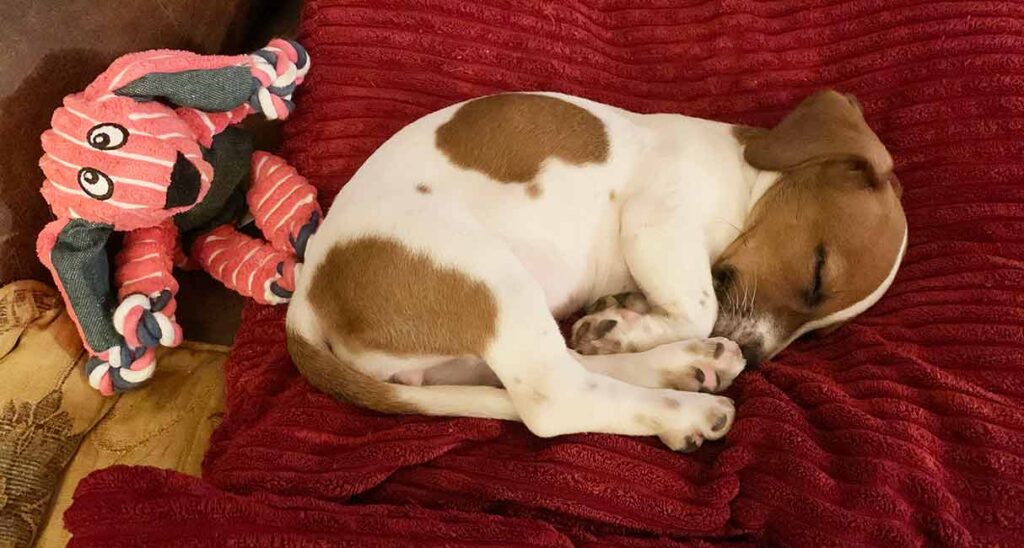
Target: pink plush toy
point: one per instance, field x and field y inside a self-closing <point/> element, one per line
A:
<point x="146" y="150"/>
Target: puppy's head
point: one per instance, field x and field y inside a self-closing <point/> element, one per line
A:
<point x="824" y="242"/>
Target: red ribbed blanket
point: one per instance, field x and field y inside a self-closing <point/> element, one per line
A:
<point x="903" y="428"/>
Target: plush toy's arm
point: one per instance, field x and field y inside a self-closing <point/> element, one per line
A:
<point x="226" y="96"/>
<point x="146" y="287"/>
<point x="74" y="250"/>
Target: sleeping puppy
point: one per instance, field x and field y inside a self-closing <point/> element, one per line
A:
<point x="434" y="284"/>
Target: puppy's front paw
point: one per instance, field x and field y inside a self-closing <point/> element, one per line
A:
<point x="709" y="420"/>
<point x="703" y="365"/>
<point x="607" y="327"/>
<point x="633" y="300"/>
<point x="606" y="332"/>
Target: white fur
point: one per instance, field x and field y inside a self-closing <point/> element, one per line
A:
<point x="681" y="194"/>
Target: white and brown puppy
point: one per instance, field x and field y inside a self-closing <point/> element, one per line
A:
<point x="434" y="284"/>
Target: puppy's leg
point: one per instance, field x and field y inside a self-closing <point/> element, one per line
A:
<point x="554" y="394"/>
<point x="671" y="266"/>
<point x="705" y="365"/>
<point x="694" y="366"/>
<point x="702" y="365"/>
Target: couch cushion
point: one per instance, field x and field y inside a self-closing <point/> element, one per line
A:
<point x="905" y="427"/>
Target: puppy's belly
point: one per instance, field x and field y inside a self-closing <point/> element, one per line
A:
<point x="561" y="279"/>
<point x="569" y="281"/>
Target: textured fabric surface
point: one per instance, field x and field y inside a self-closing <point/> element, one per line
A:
<point x="55" y="429"/>
<point x="903" y="428"/>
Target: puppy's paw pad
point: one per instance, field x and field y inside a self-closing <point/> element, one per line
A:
<point x="710" y="420"/>
<point x="634" y="301"/>
<point x="707" y="365"/>
<point x="605" y="332"/>
<point x="719" y="418"/>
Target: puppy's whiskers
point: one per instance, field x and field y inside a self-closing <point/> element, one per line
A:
<point x="746" y="293"/>
<point x="753" y="297"/>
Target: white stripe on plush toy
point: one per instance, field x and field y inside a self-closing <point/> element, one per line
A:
<point x="117" y="153"/>
<point x="115" y="178"/>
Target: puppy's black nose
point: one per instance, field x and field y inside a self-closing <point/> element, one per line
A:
<point x="185" y="182"/>
<point x="723" y="276"/>
<point x="753" y="353"/>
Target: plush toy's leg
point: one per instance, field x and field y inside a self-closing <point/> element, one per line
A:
<point x="249" y="266"/>
<point x="283" y="204"/>
<point x="75" y="252"/>
<point x="146" y="287"/>
<point x="120" y="343"/>
<point x="145" y="314"/>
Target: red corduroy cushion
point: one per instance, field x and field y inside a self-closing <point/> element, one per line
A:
<point x="905" y="427"/>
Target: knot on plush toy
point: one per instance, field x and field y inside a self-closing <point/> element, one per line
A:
<point x="142" y="322"/>
<point x="145" y="323"/>
<point x="120" y="368"/>
<point x="278" y="68"/>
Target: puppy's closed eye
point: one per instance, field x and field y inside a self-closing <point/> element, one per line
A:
<point x="815" y="295"/>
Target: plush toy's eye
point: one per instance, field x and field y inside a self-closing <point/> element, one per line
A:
<point x="107" y="136"/>
<point x="95" y="183"/>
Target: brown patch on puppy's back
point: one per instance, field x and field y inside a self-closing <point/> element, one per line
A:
<point x="508" y="136"/>
<point x="376" y="294"/>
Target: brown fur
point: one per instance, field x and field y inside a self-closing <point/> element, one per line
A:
<point x="745" y="134"/>
<point x="834" y="204"/>
<point x="508" y="136"/>
<point x="339" y="379"/>
<point x="422" y="188"/>
<point x="375" y="294"/>
<point x="826" y="125"/>
<point x="836" y="193"/>
<point x="837" y="190"/>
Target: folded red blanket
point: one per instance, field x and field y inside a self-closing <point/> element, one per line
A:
<point x="903" y="428"/>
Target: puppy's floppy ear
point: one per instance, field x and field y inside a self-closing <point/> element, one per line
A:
<point x="827" y="125"/>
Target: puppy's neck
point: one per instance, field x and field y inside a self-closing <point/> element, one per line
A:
<point x="758" y="181"/>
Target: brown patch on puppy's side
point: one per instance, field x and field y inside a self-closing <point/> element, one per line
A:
<point x="422" y="188"/>
<point x="368" y="294"/>
<point x="508" y="136"/>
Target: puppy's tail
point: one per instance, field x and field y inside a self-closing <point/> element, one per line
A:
<point x="330" y="374"/>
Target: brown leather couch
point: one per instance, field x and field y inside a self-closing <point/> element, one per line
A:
<point x="50" y="48"/>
